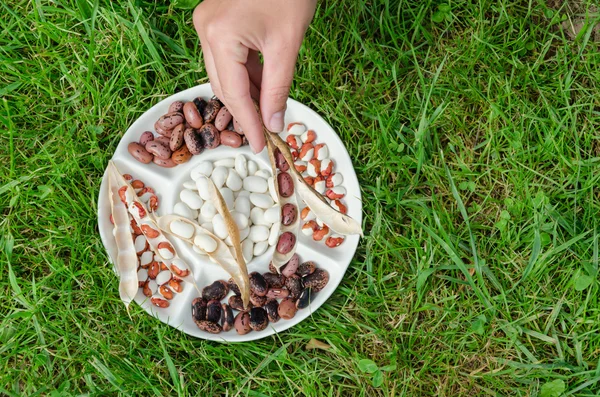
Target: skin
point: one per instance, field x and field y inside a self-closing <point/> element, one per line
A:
<point x="232" y="34"/>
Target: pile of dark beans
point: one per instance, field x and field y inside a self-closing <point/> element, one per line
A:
<point x="273" y="296"/>
<point x="186" y="130"/>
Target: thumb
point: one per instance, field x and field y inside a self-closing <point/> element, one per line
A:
<point x="277" y="76"/>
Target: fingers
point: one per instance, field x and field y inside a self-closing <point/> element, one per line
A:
<point x="278" y="73"/>
<point x="230" y="61"/>
<point x="209" y="63"/>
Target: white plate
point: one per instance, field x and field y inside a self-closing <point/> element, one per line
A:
<point x="167" y="182"/>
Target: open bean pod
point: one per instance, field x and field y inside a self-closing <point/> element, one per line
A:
<point x="157" y="241"/>
<point x="340" y="223"/>
<point x="214" y="247"/>
<point x="126" y="260"/>
<point x="287" y="241"/>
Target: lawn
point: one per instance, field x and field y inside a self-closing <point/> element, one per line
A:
<point x="473" y="129"/>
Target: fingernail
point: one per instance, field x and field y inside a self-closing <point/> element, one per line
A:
<point x="276" y="123"/>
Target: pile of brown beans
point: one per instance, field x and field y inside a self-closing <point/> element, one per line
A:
<point x="273" y="296"/>
<point x="186" y="130"/>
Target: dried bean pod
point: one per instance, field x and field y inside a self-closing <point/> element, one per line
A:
<point x="291" y="266"/>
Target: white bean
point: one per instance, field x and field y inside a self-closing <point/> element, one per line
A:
<point x="244" y="233"/>
<point x="255" y="184"/>
<point x="242" y="205"/>
<point x="240" y="219"/>
<point x="183" y="210"/>
<point x="274" y="233"/>
<point x="219" y="175"/>
<point x="208" y="226"/>
<point x="205" y="242"/>
<point x="202" y="185"/>
<point x="241" y="165"/>
<point x="261" y="200"/>
<point x="219" y="226"/>
<point x="204" y="168"/>
<point x="228" y="163"/>
<point x="227" y="194"/>
<point x="152" y="286"/>
<point x="191" y="199"/>
<point x="163" y="277"/>
<point x="297" y="129"/>
<point x="243" y="193"/>
<point x="273" y="214"/>
<point x="322" y="153"/>
<point x="142" y="274"/>
<point x="182" y="229"/>
<point x="247" y="250"/>
<point x="146" y="258"/>
<point x="311" y="170"/>
<point x="309" y="155"/>
<point x="260" y="248"/>
<point x="272" y="191"/>
<point x="234" y="182"/>
<point x="320" y="187"/>
<point x="263" y="174"/>
<point x="208" y="211"/>
<point x="190" y="185"/>
<point x="252" y="167"/>
<point x="258" y="233"/>
<point x="257" y="215"/>
<point x="337" y="179"/>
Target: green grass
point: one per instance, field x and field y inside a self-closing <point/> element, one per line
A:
<point x="475" y="141"/>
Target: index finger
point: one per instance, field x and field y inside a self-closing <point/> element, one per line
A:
<point x="230" y="63"/>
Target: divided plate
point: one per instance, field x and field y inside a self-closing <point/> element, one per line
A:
<point x="167" y="183"/>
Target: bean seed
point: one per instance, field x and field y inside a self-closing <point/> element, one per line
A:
<point x="277" y="293"/>
<point x="176" y="140"/>
<point x="274" y="280"/>
<point x="223" y="118"/>
<point x="306" y="268"/>
<point x="291" y="266"/>
<point x="192" y="115"/>
<point x="139" y="152"/>
<point x="286" y="242"/>
<point x="209" y="326"/>
<point x="234" y="287"/>
<point x="294" y="285"/>
<point x="193" y="141"/>
<point x="146" y="137"/>
<point x="316" y="280"/>
<point x="256" y="300"/>
<point x="236" y="303"/>
<point x="226" y="317"/>
<point x="176" y="106"/>
<point x="213" y="311"/>
<point x="287" y="309"/>
<point x="289" y="214"/>
<point x="211" y="110"/>
<point x="242" y="323"/>
<point x="258" y="284"/>
<point x="215" y="291"/>
<point x="210" y="136"/>
<point x="271" y="308"/>
<point x="304" y="299"/>
<point x="258" y="319"/>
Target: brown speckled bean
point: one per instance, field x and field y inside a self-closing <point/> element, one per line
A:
<point x="236" y="303"/>
<point x="170" y="120"/>
<point x="226" y="317"/>
<point x="271" y="308"/>
<point x="161" y="131"/>
<point x="233" y="286"/>
<point x="280" y="161"/>
<point x="277" y="293"/>
<point x="287" y="309"/>
<point x="139" y="153"/>
<point x="210" y="136"/>
<point x="274" y="280"/>
<point x="209" y="326"/>
<point x="146" y="137"/>
<point x="215" y="291"/>
<point x="223" y="118"/>
<point x="163" y="139"/>
<point x="317" y="280"/>
<point x="231" y="139"/>
<point x="213" y="311"/>
<point x="211" y="110"/>
<point x="256" y="300"/>
<point x="289" y="214"/>
<point x="176" y="140"/>
<point x="199" y="309"/>
<point x="192" y="115"/>
<point x="286" y="184"/>
<point x="291" y="266"/>
<point x="158" y="150"/>
<point x="258" y="284"/>
<point x="305" y="298"/>
<point x="306" y="268"/>
<point x="193" y="141"/>
<point x="182" y="155"/>
<point x="168" y="163"/>
<point x="258" y="319"/>
<point x="294" y="285"/>
<point x="286" y="242"/>
<point x="242" y="323"/>
<point x="176" y="106"/>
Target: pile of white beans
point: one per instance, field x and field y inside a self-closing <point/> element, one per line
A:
<point x="249" y="193"/>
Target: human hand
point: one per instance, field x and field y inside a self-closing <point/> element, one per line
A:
<point x="232" y="34"/>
